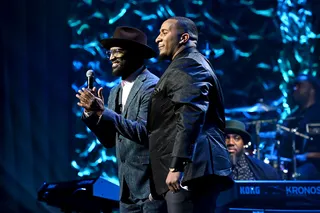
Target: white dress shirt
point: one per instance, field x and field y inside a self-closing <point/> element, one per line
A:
<point x="127" y="85"/>
<point x="126" y="88"/>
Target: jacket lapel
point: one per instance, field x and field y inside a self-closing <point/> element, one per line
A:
<point x="114" y="98"/>
<point x="134" y="90"/>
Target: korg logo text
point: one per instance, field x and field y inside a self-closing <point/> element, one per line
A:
<point x="303" y="190"/>
<point x="249" y="190"/>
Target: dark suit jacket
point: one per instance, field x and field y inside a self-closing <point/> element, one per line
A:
<point x="185" y="121"/>
<point x="132" y="157"/>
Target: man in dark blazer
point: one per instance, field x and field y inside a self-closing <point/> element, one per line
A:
<point x="185" y="126"/>
<point x="127" y="51"/>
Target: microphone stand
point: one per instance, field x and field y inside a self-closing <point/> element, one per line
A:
<point x="258" y="127"/>
<point x="294" y="159"/>
<point x="278" y="149"/>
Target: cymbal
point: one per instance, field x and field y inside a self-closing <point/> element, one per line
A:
<point x="258" y="107"/>
<point x="270" y="134"/>
<point x="274" y="157"/>
<point x="270" y="121"/>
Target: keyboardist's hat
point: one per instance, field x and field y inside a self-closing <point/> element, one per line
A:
<point x="239" y="128"/>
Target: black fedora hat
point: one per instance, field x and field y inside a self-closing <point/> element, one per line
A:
<point x="237" y="127"/>
<point x="131" y="38"/>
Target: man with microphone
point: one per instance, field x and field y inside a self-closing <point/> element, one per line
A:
<point x="127" y="51"/>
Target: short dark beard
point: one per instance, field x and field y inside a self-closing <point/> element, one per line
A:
<point x="234" y="157"/>
<point x="120" y="72"/>
<point x="128" y="65"/>
<point x="130" y="68"/>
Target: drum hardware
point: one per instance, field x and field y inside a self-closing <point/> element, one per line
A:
<point x="295" y="133"/>
<point x="274" y="120"/>
<point x="280" y="167"/>
<point x="259" y="134"/>
<point x="270" y="134"/>
<point x="274" y="157"/>
<point x="281" y="162"/>
<point x="313" y="128"/>
<point x="257" y="126"/>
<point x="257" y="129"/>
<point x="258" y="107"/>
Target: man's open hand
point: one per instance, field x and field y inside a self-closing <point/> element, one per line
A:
<point x="89" y="101"/>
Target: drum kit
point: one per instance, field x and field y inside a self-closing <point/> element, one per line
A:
<point x="266" y="136"/>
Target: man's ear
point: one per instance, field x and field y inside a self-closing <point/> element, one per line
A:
<point x="184" y="38"/>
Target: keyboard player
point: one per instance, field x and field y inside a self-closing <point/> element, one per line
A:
<point x="244" y="167"/>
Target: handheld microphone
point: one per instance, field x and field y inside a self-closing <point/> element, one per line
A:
<point x="90" y="78"/>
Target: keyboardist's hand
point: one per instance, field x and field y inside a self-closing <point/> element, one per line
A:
<point x="301" y="157"/>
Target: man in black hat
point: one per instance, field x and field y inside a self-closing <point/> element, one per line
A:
<point x="306" y="92"/>
<point x="127" y="51"/>
<point x="244" y="166"/>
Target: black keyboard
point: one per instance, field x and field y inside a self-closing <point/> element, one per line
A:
<point x="89" y="195"/>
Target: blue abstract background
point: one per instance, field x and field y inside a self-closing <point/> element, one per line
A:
<point x="256" y="47"/>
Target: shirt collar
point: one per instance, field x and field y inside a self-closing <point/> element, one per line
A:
<point x="134" y="75"/>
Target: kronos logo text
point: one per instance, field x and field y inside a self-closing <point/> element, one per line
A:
<point x="303" y="190"/>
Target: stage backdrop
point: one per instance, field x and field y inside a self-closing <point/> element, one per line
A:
<point x="257" y="47"/>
